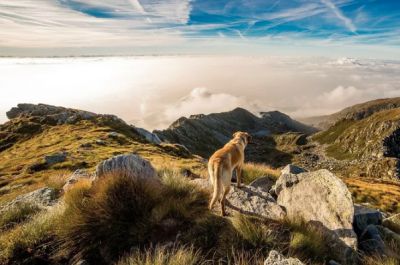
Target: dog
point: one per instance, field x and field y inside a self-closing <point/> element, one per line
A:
<point x="221" y="166"/>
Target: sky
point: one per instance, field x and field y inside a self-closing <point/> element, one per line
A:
<point x="153" y="61"/>
<point x="154" y="91"/>
<point x="352" y="28"/>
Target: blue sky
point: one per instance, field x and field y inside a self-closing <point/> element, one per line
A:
<point x="366" y="28"/>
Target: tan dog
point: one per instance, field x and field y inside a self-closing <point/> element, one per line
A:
<point x="221" y="166"/>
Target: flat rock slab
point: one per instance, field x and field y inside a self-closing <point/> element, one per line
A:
<point x="249" y="200"/>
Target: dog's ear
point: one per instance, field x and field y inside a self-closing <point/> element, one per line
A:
<point x="248" y="137"/>
<point x="235" y="134"/>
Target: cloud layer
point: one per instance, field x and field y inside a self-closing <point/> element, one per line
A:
<point x="152" y="92"/>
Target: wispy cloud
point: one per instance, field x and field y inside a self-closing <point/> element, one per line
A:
<point x="169" y="25"/>
<point x="339" y="14"/>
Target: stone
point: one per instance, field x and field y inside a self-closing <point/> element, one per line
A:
<point x="130" y="164"/>
<point x="263" y="183"/>
<point x="289" y="176"/>
<point x="364" y="216"/>
<point x="55" y="158"/>
<point x="275" y="258"/>
<point x="388" y="235"/>
<point x="292" y="169"/>
<point x="79" y="174"/>
<point x="371" y="241"/>
<point x="393" y="223"/>
<point x="321" y="199"/>
<point x="249" y="200"/>
<point x="42" y="197"/>
<point x="150" y="137"/>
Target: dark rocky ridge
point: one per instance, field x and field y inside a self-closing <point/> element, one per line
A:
<point x="203" y="134"/>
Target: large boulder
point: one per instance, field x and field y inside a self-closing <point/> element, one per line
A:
<point x="275" y="258"/>
<point x="289" y="177"/>
<point x="321" y="199"/>
<point x="131" y="165"/>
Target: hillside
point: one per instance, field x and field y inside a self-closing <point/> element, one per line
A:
<point x="203" y="134"/>
<point x="355" y="112"/>
<point x="42" y="144"/>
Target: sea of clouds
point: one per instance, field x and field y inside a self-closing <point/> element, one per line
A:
<point x="153" y="91"/>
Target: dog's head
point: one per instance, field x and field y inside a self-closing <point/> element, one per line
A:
<point x="246" y="138"/>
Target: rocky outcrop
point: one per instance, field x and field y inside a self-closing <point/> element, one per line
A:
<point x="53" y="114"/>
<point x="42" y="197"/>
<point x="275" y="258"/>
<point x="130" y="165"/>
<point x="151" y="137"/>
<point x="203" y="134"/>
<point x="249" y="200"/>
<point x="79" y="174"/>
<point x="321" y="199"/>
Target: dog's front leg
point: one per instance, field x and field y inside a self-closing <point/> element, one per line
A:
<point x="239" y="175"/>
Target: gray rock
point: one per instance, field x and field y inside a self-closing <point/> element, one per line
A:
<point x="151" y="137"/>
<point x="371" y="241"/>
<point x="131" y="165"/>
<point x="290" y="175"/>
<point x="275" y="258"/>
<point x="393" y="223"/>
<point x="364" y="216"/>
<point x="263" y="183"/>
<point x="249" y="200"/>
<point x="100" y="142"/>
<point x="79" y="174"/>
<point x="388" y="235"/>
<point x="113" y="135"/>
<point x="55" y="158"/>
<point x="292" y="169"/>
<point x="42" y="197"/>
<point x="321" y="199"/>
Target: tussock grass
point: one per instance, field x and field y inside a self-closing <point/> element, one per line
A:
<point x="252" y="171"/>
<point x="308" y="243"/>
<point x="19" y="242"/>
<point x="162" y="255"/>
<point x="16" y="214"/>
<point x="253" y="231"/>
<point x="120" y="212"/>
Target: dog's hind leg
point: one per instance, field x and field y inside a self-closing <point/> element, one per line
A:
<point x="226" y="191"/>
<point x="216" y="193"/>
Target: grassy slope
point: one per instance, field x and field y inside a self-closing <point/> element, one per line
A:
<point x="16" y="179"/>
<point x="349" y="139"/>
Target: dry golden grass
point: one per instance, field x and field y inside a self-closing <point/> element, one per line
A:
<point x="384" y="195"/>
<point x="252" y="171"/>
<point x="16" y="178"/>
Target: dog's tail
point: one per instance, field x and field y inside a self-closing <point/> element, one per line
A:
<point x="217" y="172"/>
